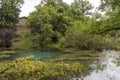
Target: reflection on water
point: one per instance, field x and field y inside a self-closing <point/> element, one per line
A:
<point x="110" y="70"/>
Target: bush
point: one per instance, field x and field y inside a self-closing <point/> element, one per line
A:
<point x="78" y="38"/>
<point x="27" y="69"/>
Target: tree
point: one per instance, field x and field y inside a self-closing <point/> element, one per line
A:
<point x="9" y="13"/>
<point x="112" y="9"/>
<point x="59" y="5"/>
<point x="40" y="23"/>
<point x="40" y="17"/>
<point x="44" y="38"/>
<point x="53" y="3"/>
<point x="109" y="4"/>
<point x="83" y="5"/>
<point x="75" y="13"/>
<point x="60" y="23"/>
<point x="60" y="20"/>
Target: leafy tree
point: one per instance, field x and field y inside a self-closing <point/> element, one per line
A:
<point x="83" y="5"/>
<point x="61" y="22"/>
<point x="75" y="13"/>
<point x="109" y="4"/>
<point x="112" y="9"/>
<point x="50" y="2"/>
<point x="9" y="13"/>
<point x="54" y="21"/>
<point x="59" y="5"/>
<point x="53" y="3"/>
<point x="42" y="16"/>
<point x="49" y="16"/>
<point x="40" y="23"/>
<point x="44" y="38"/>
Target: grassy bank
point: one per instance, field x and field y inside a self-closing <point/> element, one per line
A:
<point x="6" y="53"/>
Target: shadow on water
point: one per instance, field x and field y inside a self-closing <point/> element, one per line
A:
<point x="104" y="69"/>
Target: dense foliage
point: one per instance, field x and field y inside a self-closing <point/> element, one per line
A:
<point x="27" y="68"/>
<point x="9" y="13"/>
<point x="112" y="13"/>
<point x="76" y="38"/>
<point x="55" y="22"/>
<point x="83" y="5"/>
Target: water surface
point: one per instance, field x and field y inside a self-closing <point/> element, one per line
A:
<point x="104" y="69"/>
<point x="36" y="54"/>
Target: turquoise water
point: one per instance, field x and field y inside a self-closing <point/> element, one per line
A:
<point x="36" y="54"/>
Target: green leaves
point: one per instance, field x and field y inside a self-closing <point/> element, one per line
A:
<point x="46" y="21"/>
<point x="42" y="16"/>
<point x="83" y="5"/>
<point x="111" y="7"/>
<point x="109" y="4"/>
<point x="41" y="24"/>
<point x="23" y="68"/>
<point x="9" y="12"/>
<point x="72" y="23"/>
<point x="44" y="38"/>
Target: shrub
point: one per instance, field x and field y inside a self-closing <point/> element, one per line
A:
<point x="78" y="38"/>
<point x="27" y="69"/>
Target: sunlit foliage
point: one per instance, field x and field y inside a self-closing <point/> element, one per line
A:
<point x="26" y="68"/>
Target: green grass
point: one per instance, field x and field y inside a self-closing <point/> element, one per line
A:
<point x="22" y="44"/>
<point x="4" y="55"/>
<point x="25" y="39"/>
<point x="71" y="50"/>
<point x="7" y="52"/>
